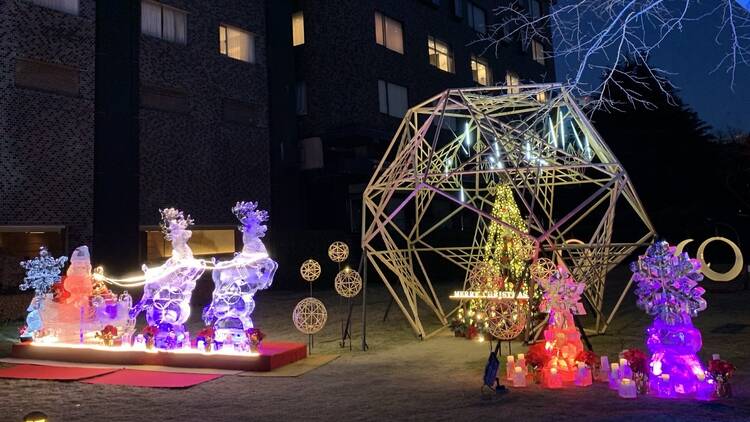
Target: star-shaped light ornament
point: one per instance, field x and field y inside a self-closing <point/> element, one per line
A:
<point x="562" y="294"/>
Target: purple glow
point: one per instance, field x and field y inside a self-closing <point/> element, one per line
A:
<point x="668" y="289"/>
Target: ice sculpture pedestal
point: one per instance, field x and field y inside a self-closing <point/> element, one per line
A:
<point x="674" y="351"/>
<point x="271" y="355"/>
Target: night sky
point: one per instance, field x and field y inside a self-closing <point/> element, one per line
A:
<point x="692" y="54"/>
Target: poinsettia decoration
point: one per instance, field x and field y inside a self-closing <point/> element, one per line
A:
<point x="720" y="369"/>
<point x="637" y="360"/>
<point x="537" y="356"/>
<point x="255" y="334"/>
<point x="109" y="330"/>
<point x="588" y="357"/>
<point x="149" y="331"/>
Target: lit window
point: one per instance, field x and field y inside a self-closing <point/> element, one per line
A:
<point x="440" y="54"/>
<point x="535" y="9"/>
<point x="537" y="51"/>
<point x="393" y="99"/>
<point x="298" y="29"/>
<point x="511" y="80"/>
<point x="388" y="33"/>
<point x="67" y="6"/>
<point x="480" y="71"/>
<point x="301" y="96"/>
<point x="475" y="17"/>
<point x="163" y="22"/>
<point x="541" y="96"/>
<point x="236" y="43"/>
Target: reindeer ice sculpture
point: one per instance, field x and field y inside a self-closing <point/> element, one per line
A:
<point x="168" y="288"/>
<point x="237" y="280"/>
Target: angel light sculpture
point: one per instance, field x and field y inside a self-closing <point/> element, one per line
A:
<point x="41" y="274"/>
<point x="237" y="280"/>
<point x="668" y="290"/>
<point x="168" y="288"/>
<point x="561" y="298"/>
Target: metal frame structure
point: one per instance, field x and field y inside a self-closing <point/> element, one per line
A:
<point x="448" y="154"/>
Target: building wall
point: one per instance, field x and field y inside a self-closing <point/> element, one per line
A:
<point x="47" y="136"/>
<point x="341" y="63"/>
<point x="195" y="156"/>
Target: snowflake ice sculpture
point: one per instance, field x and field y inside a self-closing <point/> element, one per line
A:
<point x="668" y="289"/>
<point x="237" y="280"/>
<point x="168" y="288"/>
<point x="42" y="272"/>
<point x="562" y="296"/>
<point x="668" y="284"/>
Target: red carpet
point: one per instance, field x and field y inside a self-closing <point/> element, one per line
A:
<point x="156" y="379"/>
<point x="58" y="373"/>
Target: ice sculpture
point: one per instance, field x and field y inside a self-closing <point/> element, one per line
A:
<point x="76" y="310"/>
<point x="668" y="290"/>
<point x="561" y="298"/>
<point x="168" y="288"/>
<point x="237" y="280"/>
<point x="41" y="274"/>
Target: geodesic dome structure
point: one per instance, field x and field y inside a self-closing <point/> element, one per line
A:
<point x="430" y="198"/>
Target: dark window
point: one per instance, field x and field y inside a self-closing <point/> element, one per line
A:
<point x="46" y="76"/>
<point x="238" y="112"/>
<point x="164" y="99"/>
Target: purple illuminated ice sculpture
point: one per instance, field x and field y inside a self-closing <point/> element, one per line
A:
<point x="668" y="289"/>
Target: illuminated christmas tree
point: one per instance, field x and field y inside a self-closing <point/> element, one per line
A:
<point x="503" y="267"/>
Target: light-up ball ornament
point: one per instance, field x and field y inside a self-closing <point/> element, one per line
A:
<point x="542" y="269"/>
<point x="35" y="416"/>
<point x="506" y="319"/>
<point x="310" y="315"/>
<point x="310" y="270"/>
<point x="338" y="251"/>
<point x="348" y="283"/>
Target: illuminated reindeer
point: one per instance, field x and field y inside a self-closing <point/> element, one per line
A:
<point x="168" y="288"/>
<point x="237" y="280"/>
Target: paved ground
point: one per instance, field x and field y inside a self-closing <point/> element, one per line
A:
<point x="400" y="378"/>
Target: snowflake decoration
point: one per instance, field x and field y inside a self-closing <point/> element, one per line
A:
<point x="561" y="293"/>
<point x="251" y="218"/>
<point x="42" y="272"/>
<point x="668" y="284"/>
<point x="173" y="220"/>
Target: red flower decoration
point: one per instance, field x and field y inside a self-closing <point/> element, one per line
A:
<point x="537" y="356"/>
<point x="636" y="359"/>
<point x="588" y="357"/>
<point x="59" y="294"/>
<point x="150" y="331"/>
<point x="720" y="368"/>
<point x="110" y="330"/>
<point x="255" y="334"/>
<point x="206" y="333"/>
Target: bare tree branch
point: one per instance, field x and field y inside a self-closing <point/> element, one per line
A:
<point x="603" y="35"/>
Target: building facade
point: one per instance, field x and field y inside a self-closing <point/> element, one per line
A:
<point x="358" y="66"/>
<point x="71" y="173"/>
<point x="110" y="111"/>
